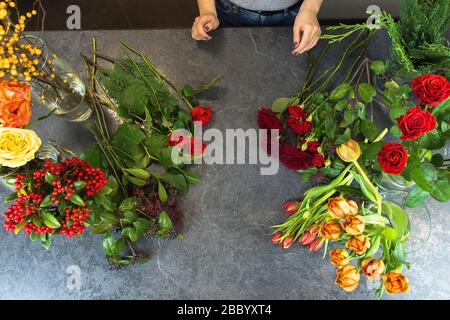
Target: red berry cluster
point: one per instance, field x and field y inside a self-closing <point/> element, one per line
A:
<point x="57" y="180"/>
<point x="73" y="224"/>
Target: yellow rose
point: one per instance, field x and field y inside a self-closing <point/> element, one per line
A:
<point x="17" y="146"/>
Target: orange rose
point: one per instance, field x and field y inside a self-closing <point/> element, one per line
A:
<point x="15" y="104"/>
<point x="347" y="277"/>
<point x="372" y="267"/>
<point x="330" y="230"/>
<point x="339" y="257"/>
<point x="353" y="225"/>
<point x="395" y="282"/>
<point x="359" y="244"/>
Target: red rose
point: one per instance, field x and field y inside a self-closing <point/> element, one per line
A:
<point x="297" y="120"/>
<point x="318" y="160"/>
<point x="415" y="122"/>
<point x="202" y="114"/>
<point x="393" y="157"/>
<point x="431" y="89"/>
<point x="294" y="159"/>
<point x="313" y="146"/>
<point x="267" y="119"/>
<point x="174" y="141"/>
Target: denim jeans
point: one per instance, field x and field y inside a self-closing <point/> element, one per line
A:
<point x="231" y="15"/>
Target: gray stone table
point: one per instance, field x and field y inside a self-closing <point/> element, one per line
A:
<point x="226" y="253"/>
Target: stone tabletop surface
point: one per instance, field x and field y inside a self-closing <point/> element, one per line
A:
<point x="226" y="252"/>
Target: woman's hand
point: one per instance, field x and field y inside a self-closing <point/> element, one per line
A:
<point x="306" y="30"/>
<point x="204" y="24"/>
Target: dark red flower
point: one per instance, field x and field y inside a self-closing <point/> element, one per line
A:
<point x="431" y="89"/>
<point x="268" y="120"/>
<point x="297" y="120"/>
<point x="318" y="160"/>
<point x="175" y="139"/>
<point x="313" y="146"/>
<point x="415" y="122"/>
<point x="393" y="157"/>
<point x="202" y="114"/>
<point x="295" y="159"/>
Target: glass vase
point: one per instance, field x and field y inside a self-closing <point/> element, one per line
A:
<point x="395" y="188"/>
<point x="58" y="89"/>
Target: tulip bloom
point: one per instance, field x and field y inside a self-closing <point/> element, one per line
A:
<point x="291" y="207"/>
<point x="309" y="235"/>
<point x="287" y="242"/>
<point x="339" y="257"/>
<point x="359" y="244"/>
<point x="347" y="277"/>
<point x="330" y="230"/>
<point x="276" y="237"/>
<point x="349" y="151"/>
<point x="395" y="282"/>
<point x="339" y="207"/>
<point x="316" y="245"/>
<point x="372" y="267"/>
<point x="353" y="225"/>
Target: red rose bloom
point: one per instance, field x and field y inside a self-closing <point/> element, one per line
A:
<point x="318" y="160"/>
<point x="202" y="114"/>
<point x="313" y="146"/>
<point x="268" y="120"/>
<point x="415" y="122"/>
<point x="296" y="120"/>
<point x="431" y="89"/>
<point x="294" y="159"/>
<point x="393" y="157"/>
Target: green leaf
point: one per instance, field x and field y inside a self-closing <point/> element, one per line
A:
<point x="11" y="197"/>
<point x="164" y="221"/>
<point x="138" y="173"/>
<point x="191" y="178"/>
<point x="367" y="92"/>
<point x="340" y="91"/>
<point x="368" y="129"/>
<point x="136" y="181"/>
<point x="47" y="241"/>
<point x="93" y="155"/>
<point x="280" y="105"/>
<point x="37" y="221"/>
<point x="424" y="176"/>
<point x="50" y="220"/>
<point x="389" y="233"/>
<point x="441" y="191"/>
<point x="378" y="67"/>
<point x="101" y="228"/>
<point x="141" y="225"/>
<point x="128" y="204"/>
<point x="398" y="218"/>
<point x="20" y="226"/>
<point x="162" y="194"/>
<point x="175" y="179"/>
<point x="437" y="160"/>
<point x="397" y="112"/>
<point x="349" y="116"/>
<point x="79" y="184"/>
<point x="442" y="108"/>
<point x="49" y="177"/>
<point x="364" y="188"/>
<point x="76" y="199"/>
<point x="112" y="246"/>
<point x="375" y="246"/>
<point x="416" y="197"/>
<point x="46" y="201"/>
<point x="395" y="131"/>
<point x="432" y="140"/>
<point x="130" y="216"/>
<point x="134" y="99"/>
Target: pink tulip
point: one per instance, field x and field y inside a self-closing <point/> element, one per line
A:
<point x="291" y="207"/>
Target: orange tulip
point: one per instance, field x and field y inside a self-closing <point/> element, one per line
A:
<point x="395" y="282"/>
<point x="339" y="207"/>
<point x="339" y="257"/>
<point x="15" y="104"/>
<point x="349" y="151"/>
<point x="348" y="277"/>
<point x="372" y="267"/>
<point x="330" y="230"/>
<point x="353" y="225"/>
<point x="359" y="244"/>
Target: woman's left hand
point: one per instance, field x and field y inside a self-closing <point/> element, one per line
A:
<point x="306" y="31"/>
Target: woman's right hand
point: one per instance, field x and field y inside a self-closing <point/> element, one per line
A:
<point x="204" y="24"/>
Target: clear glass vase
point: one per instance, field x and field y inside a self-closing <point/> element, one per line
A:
<point x="395" y="188"/>
<point x="60" y="90"/>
